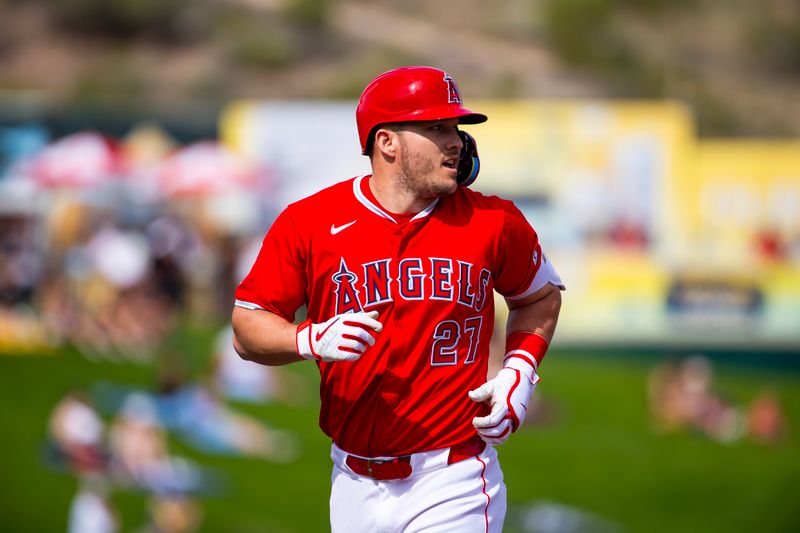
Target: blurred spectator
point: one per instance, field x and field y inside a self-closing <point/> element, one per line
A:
<point x="245" y="381"/>
<point x="77" y="435"/>
<point x="102" y="262"/>
<point x="681" y="396"/>
<point x="175" y="246"/>
<point x="121" y="257"/>
<point x="91" y="510"/>
<point x="138" y="441"/>
<point x="21" y="270"/>
<point x="200" y="417"/>
<point x="695" y="376"/>
<point x="665" y="398"/>
<point x="136" y="458"/>
<point x="721" y="420"/>
<point x="237" y="379"/>
<point x="20" y="264"/>
<point x="173" y="514"/>
<point x="196" y="414"/>
<point x="140" y="455"/>
<point x="121" y="290"/>
<point x="766" y="421"/>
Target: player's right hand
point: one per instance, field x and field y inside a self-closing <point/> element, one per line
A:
<point x="342" y="338"/>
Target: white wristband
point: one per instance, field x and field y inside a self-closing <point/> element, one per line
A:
<point x="524" y="368"/>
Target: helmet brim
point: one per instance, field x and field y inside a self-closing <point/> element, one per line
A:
<point x="464" y="115"/>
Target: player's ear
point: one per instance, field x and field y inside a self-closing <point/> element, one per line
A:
<point x="386" y="142"/>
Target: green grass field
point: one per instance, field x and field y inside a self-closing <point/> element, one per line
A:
<point x="594" y="451"/>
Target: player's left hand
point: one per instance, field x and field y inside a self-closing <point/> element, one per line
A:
<point x="508" y="394"/>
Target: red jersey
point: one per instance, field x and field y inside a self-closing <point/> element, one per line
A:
<point x="430" y="278"/>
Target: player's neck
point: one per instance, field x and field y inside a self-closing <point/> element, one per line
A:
<point x="395" y="198"/>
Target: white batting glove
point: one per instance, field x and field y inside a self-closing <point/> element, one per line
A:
<point x="508" y="394"/>
<point x="342" y="338"/>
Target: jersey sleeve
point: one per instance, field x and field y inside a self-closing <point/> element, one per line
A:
<point x="278" y="278"/>
<point x="522" y="268"/>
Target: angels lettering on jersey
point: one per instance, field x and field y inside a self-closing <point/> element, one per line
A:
<point x="413" y="278"/>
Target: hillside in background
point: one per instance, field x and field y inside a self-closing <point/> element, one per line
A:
<point x="736" y="62"/>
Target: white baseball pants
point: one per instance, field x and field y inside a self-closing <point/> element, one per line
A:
<point x="464" y="497"/>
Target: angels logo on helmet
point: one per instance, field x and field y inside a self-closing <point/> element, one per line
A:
<point x="453" y="94"/>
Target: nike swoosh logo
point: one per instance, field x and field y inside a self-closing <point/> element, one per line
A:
<point x="320" y="334"/>
<point x="336" y="229"/>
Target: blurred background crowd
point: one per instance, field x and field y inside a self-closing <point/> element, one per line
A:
<point x="147" y="145"/>
<point x="112" y="241"/>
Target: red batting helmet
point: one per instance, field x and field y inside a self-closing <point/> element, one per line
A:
<point x="410" y="94"/>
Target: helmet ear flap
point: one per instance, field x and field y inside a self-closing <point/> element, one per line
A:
<point x="468" y="162"/>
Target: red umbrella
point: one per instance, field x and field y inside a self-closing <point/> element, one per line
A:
<point x="80" y="160"/>
<point x="202" y="169"/>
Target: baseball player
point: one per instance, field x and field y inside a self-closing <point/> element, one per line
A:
<point x="397" y="270"/>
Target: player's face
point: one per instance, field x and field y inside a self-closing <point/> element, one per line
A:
<point x="428" y="159"/>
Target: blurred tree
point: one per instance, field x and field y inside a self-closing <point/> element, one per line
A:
<point x="778" y="43"/>
<point x="576" y="27"/>
<point x="128" y="19"/>
<point x="311" y="14"/>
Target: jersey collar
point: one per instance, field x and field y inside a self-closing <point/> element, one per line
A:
<point x="378" y="210"/>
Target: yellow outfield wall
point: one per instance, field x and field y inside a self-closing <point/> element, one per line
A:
<point x="660" y="237"/>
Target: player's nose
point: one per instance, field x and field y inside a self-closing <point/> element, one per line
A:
<point x="454" y="141"/>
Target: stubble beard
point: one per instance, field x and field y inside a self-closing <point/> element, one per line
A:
<point x="417" y="176"/>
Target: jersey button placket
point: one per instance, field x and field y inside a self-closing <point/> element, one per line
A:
<point x="402" y="244"/>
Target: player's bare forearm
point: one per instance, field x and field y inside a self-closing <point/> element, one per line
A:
<point x="264" y="337"/>
<point x="538" y="313"/>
